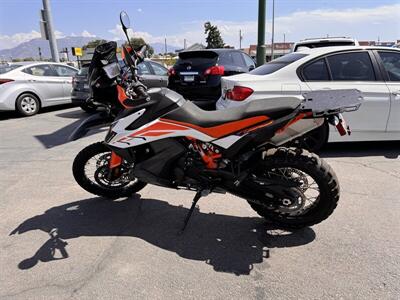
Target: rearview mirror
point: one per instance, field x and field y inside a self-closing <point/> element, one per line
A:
<point x="125" y="21"/>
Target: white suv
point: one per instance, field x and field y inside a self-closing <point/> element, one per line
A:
<point x="324" y="42"/>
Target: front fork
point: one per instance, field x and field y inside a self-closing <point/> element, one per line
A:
<point x="114" y="165"/>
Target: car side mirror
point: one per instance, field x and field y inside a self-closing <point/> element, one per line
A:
<point x="251" y="68"/>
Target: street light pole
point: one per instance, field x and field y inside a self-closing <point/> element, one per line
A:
<point x="273" y="29"/>
<point x="261" y="33"/>
<point x="51" y="34"/>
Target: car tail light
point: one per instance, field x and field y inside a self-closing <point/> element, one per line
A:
<point x="3" y="80"/>
<point x="215" y="70"/>
<point x="238" y="93"/>
<point x="171" y="72"/>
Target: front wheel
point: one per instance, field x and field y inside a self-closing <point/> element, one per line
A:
<point x="91" y="172"/>
<point x="310" y="186"/>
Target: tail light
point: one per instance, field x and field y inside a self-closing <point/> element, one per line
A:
<point x="3" y="80"/>
<point x="238" y="93"/>
<point x="171" y="72"/>
<point x="215" y="70"/>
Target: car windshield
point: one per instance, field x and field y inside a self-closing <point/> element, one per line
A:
<point x="277" y="64"/>
<point x="7" y="68"/>
<point x="83" y="71"/>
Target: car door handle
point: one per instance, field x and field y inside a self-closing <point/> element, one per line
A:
<point x="396" y="93"/>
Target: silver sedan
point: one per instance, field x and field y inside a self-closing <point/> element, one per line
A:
<point x="27" y="87"/>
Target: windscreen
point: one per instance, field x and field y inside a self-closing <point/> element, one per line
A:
<point x="83" y="71"/>
<point x="196" y="59"/>
<point x="277" y="64"/>
<point x="7" y="68"/>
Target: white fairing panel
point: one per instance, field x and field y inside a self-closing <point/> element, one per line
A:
<point x="150" y="132"/>
<point x="228" y="141"/>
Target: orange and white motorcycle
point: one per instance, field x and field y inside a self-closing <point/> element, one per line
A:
<point x="170" y="142"/>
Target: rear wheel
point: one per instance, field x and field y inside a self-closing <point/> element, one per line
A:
<point x="314" y="140"/>
<point x="91" y="172"/>
<point x="27" y="104"/>
<point x="310" y="184"/>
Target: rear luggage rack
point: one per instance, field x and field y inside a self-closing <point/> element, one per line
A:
<point x="329" y="102"/>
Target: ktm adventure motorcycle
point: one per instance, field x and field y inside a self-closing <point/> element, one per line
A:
<point x="160" y="138"/>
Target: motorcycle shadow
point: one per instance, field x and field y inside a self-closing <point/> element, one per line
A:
<point x="230" y="244"/>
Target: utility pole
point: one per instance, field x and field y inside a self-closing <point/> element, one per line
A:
<point x="273" y="29"/>
<point x="40" y="54"/>
<point x="50" y="31"/>
<point x="240" y="39"/>
<point x="184" y="43"/>
<point x="165" y="45"/>
<point x="261" y="33"/>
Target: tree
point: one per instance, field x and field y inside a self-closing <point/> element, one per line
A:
<point x="137" y="43"/>
<point x="213" y="39"/>
<point x="94" y="44"/>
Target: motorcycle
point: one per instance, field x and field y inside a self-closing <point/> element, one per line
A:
<point x="164" y="140"/>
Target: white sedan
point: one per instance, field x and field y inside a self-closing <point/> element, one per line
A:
<point x="27" y="87"/>
<point x="375" y="71"/>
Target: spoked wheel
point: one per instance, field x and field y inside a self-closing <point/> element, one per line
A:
<point x="91" y="171"/>
<point x="309" y="185"/>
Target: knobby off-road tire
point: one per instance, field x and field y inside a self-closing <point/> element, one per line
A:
<point x="78" y="169"/>
<point x="318" y="170"/>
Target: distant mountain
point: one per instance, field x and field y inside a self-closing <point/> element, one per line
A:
<point x="31" y="48"/>
<point x="160" y="48"/>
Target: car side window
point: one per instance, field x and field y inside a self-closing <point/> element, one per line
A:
<point x="249" y="62"/>
<point x="143" y="69"/>
<point x="40" y="70"/>
<point x="231" y="58"/>
<point x="158" y="69"/>
<point x="238" y="59"/>
<point x="354" y="66"/>
<point x="64" y="71"/>
<point x="391" y="62"/>
<point x="316" y="71"/>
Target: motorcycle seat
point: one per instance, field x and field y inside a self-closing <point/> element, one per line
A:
<point x="271" y="108"/>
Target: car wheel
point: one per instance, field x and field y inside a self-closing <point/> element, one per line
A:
<point x="88" y="108"/>
<point x="314" y="140"/>
<point x="27" y="104"/>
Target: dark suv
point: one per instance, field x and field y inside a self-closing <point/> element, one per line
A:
<point x="197" y="74"/>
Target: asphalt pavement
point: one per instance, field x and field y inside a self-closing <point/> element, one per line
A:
<point x="59" y="242"/>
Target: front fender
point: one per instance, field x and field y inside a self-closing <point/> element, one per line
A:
<point x="101" y="118"/>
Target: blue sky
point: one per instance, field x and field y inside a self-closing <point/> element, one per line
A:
<point x="179" y="19"/>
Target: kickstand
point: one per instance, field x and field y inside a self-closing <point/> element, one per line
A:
<point x="196" y="198"/>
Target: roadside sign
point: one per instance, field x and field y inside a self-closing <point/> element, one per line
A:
<point x="43" y="25"/>
<point x="76" y="51"/>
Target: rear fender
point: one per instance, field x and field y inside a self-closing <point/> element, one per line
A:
<point x="101" y="118"/>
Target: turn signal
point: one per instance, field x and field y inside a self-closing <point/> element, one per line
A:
<point x="238" y="93"/>
<point x="171" y="72"/>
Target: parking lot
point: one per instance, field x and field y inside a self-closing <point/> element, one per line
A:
<point x="58" y="241"/>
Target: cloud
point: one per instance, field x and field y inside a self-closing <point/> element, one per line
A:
<point x="86" y="33"/>
<point x="140" y="10"/>
<point x="10" y="41"/>
<point x="360" y="23"/>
